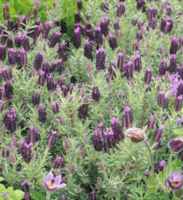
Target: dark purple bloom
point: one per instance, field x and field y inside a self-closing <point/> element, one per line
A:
<point x="88" y="50"/>
<point x="54" y="38"/>
<point x="33" y="135"/>
<point x="52" y="182"/>
<point x="151" y="13"/>
<point x="35" y="31"/>
<point x="26" y="150"/>
<point x="127" y="117"/>
<point x="10" y="119"/>
<point x="163" y="67"/>
<point x="120" y="61"/>
<point x="89" y="32"/>
<point x="112" y="41"/>
<point x="63" y="51"/>
<point x="137" y="62"/>
<point x="117" y="129"/>
<point x="104" y="25"/>
<point x="8" y="90"/>
<point x="140" y="4"/>
<point x="128" y="69"/>
<point x="178" y="103"/>
<point x="120" y="9"/>
<point x="109" y="139"/>
<point x="159" y="166"/>
<point x="148" y="76"/>
<point x="38" y="61"/>
<point x="162" y="99"/>
<point x="176" y="144"/>
<point x="12" y="56"/>
<point x="179" y="89"/>
<point x="2" y="52"/>
<point x="166" y="25"/>
<point x="175" y="181"/>
<point x="51" y="84"/>
<point x="173" y="63"/>
<point x="158" y="134"/>
<point x="52" y="138"/>
<point x="98" y="36"/>
<point x="151" y="122"/>
<point x="55" y="107"/>
<point x="83" y="111"/>
<point x="58" y="162"/>
<point x="100" y="59"/>
<point x="47" y="26"/>
<point x="98" y="140"/>
<point x="25" y="186"/>
<point x="21" y="57"/>
<point x="42" y="113"/>
<point x="36" y="98"/>
<point x="77" y="37"/>
<point x="174" y="46"/>
<point x="95" y="93"/>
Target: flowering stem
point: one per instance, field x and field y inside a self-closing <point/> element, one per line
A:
<point x="48" y="196"/>
<point x="150" y="154"/>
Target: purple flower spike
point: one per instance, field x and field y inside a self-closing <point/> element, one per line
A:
<point x="98" y="140"/>
<point x="26" y="150"/>
<point x="52" y="138"/>
<point x="95" y="94"/>
<point x="137" y="62"/>
<point x="174" y="46"/>
<point x="148" y="76"/>
<point x="33" y="135"/>
<point x="98" y="36"/>
<point x="10" y="119"/>
<point x="162" y="100"/>
<point x="21" y="57"/>
<point x="52" y="182"/>
<point x="160" y="166"/>
<point x="100" y="59"/>
<point x="88" y="49"/>
<point x="173" y="63"/>
<point x="104" y="25"/>
<point x="176" y="144"/>
<point x="120" y="61"/>
<point x="77" y="37"/>
<point x="92" y="195"/>
<point x="55" y="107"/>
<point x="42" y="113"/>
<point x="58" y="162"/>
<point x="12" y="56"/>
<point x="175" y="181"/>
<point x="166" y="25"/>
<point x="128" y="70"/>
<point x="117" y="129"/>
<point x="36" y="98"/>
<point x="178" y="103"/>
<point x="112" y="41"/>
<point x="2" y="52"/>
<point x="158" y="134"/>
<point x="54" y="38"/>
<point x="163" y="67"/>
<point x="127" y="117"/>
<point x="140" y="4"/>
<point x="8" y="90"/>
<point x="83" y="111"/>
<point x="120" y="9"/>
<point x="38" y="61"/>
<point x="51" y="84"/>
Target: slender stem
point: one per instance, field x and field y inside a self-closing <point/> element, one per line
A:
<point x="150" y="154"/>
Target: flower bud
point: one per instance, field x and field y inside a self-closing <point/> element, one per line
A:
<point x="47" y="26"/>
<point x="166" y="25"/>
<point x="88" y="49"/>
<point x="151" y="122"/>
<point x="21" y="57"/>
<point x="128" y="70"/>
<point x="26" y="151"/>
<point x="41" y="77"/>
<point x="179" y="89"/>
<point x="175" y="181"/>
<point x="63" y="51"/>
<point x="162" y="100"/>
<point x="137" y="62"/>
<point x="10" y="119"/>
<point x="109" y="139"/>
<point x="51" y="84"/>
<point x="95" y="94"/>
<point x="58" y="162"/>
<point x="83" y="111"/>
<point x="104" y="25"/>
<point x="120" y="9"/>
<point x="178" y="103"/>
<point x="100" y="59"/>
<point x="174" y="46"/>
<point x="112" y="41"/>
<point x="140" y="4"/>
<point x="33" y="135"/>
<point x="135" y="134"/>
<point x="162" y="67"/>
<point x="160" y="166"/>
<point x="98" y="140"/>
<point x="8" y="90"/>
<point x="38" y="61"/>
<point x="158" y="134"/>
<point x="52" y="138"/>
<point x="120" y="61"/>
<point x="77" y="37"/>
<point x="173" y="63"/>
<point x="25" y="186"/>
<point x="54" y="39"/>
<point x="176" y="144"/>
<point x="127" y="117"/>
<point x="36" y="98"/>
<point x="117" y="129"/>
<point x="2" y="52"/>
<point x="12" y="56"/>
<point x="98" y="36"/>
<point x="55" y="107"/>
<point x="42" y="113"/>
<point x="148" y="76"/>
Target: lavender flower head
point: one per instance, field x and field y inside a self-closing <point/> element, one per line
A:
<point x="175" y="181"/>
<point x="176" y="144"/>
<point x="52" y="182"/>
<point x="176" y="85"/>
